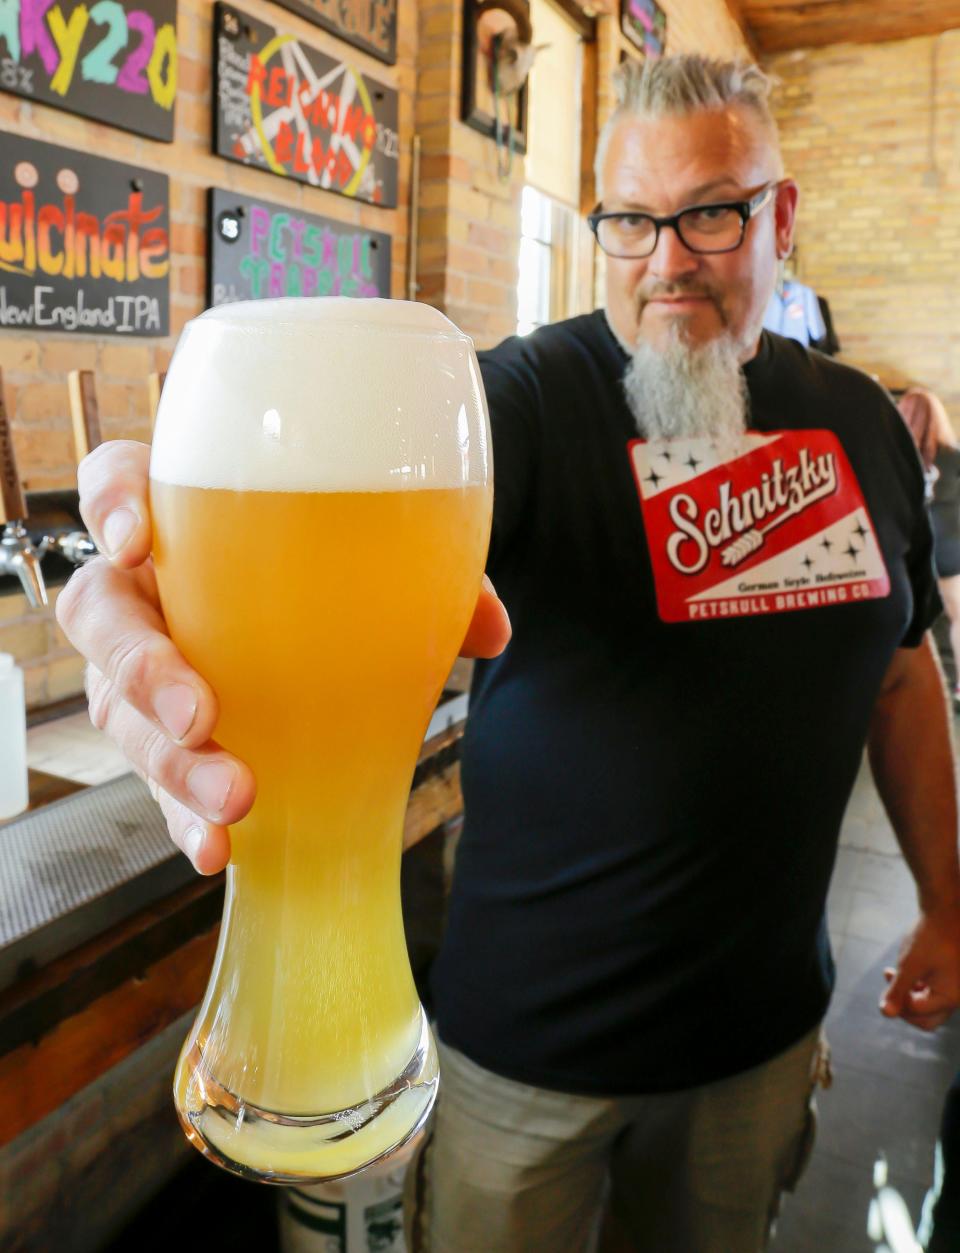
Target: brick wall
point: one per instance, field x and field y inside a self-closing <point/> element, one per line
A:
<point x="35" y="368"/>
<point x="469" y="221"/>
<point x="468" y="225"/>
<point x="879" y="224"/>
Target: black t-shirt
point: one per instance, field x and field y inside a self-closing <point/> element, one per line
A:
<point x="652" y="806"/>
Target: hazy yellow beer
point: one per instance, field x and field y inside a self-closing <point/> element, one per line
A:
<point x="321" y="501"/>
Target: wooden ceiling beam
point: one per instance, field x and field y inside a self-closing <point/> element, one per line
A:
<point x="786" y="25"/>
<point x="783" y="38"/>
<point x="735" y="9"/>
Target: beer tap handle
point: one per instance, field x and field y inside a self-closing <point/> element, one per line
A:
<point x="155" y="384"/>
<point x="85" y="412"/>
<point x="12" y="504"/>
<point x="77" y="546"/>
<point x="17" y="554"/>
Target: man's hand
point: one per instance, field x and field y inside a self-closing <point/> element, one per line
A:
<point x="911" y="756"/>
<point x="141" y="690"/>
<point x="924" y="990"/>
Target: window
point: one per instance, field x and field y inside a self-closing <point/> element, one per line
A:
<point x="546" y="290"/>
<point x="533" y="289"/>
<point x="547" y="287"/>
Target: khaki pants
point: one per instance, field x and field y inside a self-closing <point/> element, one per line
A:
<point x="509" y="1168"/>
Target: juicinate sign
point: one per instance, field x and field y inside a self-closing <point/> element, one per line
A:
<point x="84" y="242"/>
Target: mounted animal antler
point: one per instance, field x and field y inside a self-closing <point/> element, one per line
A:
<point x="505" y="37"/>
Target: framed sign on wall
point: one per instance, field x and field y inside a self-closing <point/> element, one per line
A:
<point x="284" y="106"/>
<point x="86" y="242"/>
<point x="114" y="61"/>
<point x="645" y="24"/>
<point x="367" y="24"/>
<point x="260" y="250"/>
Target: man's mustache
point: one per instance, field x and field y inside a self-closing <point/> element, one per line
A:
<point x="660" y="291"/>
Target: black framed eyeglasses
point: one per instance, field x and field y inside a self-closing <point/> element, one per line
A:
<point x="706" y="228"/>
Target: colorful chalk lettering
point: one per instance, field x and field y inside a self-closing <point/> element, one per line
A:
<point x="260" y="250"/>
<point x="84" y="242"/>
<point x="286" y="107"/>
<point x="645" y="24"/>
<point x="111" y="61"/>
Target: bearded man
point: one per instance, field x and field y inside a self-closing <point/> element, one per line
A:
<point x="713" y="548"/>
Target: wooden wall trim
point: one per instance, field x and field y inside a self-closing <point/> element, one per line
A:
<point x="38" y="1077"/>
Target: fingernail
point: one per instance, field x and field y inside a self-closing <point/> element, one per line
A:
<point x="210" y="785"/>
<point x="193" y="842"/>
<point x="118" y="528"/>
<point x="176" y="707"/>
<point x="489" y="585"/>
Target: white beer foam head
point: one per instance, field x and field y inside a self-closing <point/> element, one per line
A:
<point x="322" y="394"/>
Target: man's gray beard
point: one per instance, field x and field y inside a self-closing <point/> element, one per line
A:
<point x="688" y="392"/>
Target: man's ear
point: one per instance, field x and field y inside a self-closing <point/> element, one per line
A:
<point x="785" y="209"/>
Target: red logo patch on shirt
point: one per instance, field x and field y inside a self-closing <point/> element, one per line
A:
<point x="779" y="525"/>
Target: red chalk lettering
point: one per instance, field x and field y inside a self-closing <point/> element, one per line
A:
<point x="283" y="145"/>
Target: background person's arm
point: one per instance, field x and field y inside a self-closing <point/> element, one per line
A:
<point x="911" y="757"/>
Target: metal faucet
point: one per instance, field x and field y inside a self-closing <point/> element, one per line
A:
<point x="76" y="546"/>
<point x="18" y="556"/>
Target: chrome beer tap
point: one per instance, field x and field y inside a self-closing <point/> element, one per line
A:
<point x="76" y="546"/>
<point x="18" y="556"/>
<point x="17" y="553"/>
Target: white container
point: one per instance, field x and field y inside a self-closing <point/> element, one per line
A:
<point x="362" y="1214"/>
<point x="14" y="795"/>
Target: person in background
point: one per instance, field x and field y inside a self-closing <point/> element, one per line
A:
<point x="713" y="547"/>
<point x="794" y="311"/>
<point x="936" y="442"/>
<point x="799" y="313"/>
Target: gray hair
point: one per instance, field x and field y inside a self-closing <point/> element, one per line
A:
<point x="677" y="85"/>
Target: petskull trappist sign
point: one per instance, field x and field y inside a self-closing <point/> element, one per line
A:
<point x="367" y="24"/>
<point x="84" y="242"/>
<point x="286" y="107"/>
<point x="260" y="250"/>
<point x="115" y="61"/>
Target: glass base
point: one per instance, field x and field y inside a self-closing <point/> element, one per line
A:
<point x="269" y="1147"/>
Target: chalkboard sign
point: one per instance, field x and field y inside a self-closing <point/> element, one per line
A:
<point x="260" y="250"/>
<point x="645" y="24"/>
<point x="85" y="244"/>
<point x="115" y="61"/>
<point x="286" y="107"/>
<point x="367" y="24"/>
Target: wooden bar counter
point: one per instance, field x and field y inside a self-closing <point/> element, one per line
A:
<point x="90" y="1028"/>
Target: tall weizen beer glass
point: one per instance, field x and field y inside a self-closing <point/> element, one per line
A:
<point x="320" y="485"/>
